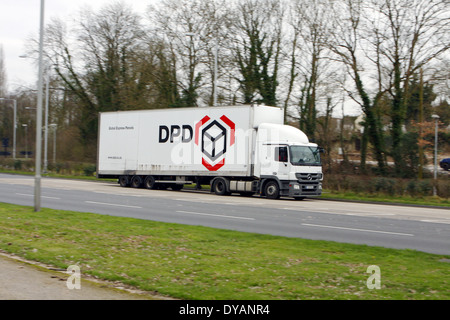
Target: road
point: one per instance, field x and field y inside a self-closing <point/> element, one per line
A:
<point x="401" y="227"/>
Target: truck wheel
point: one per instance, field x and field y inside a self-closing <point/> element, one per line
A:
<point x="123" y="181"/>
<point x="136" y="182"/>
<point x="220" y="187"/>
<point x="150" y="183"/>
<point x="272" y="190"/>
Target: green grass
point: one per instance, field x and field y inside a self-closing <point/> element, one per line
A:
<point x="53" y="175"/>
<point x="353" y="196"/>
<point x="192" y="262"/>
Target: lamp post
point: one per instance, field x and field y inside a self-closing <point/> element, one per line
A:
<point x="54" y="126"/>
<point x="436" y="119"/>
<point x="26" y="140"/>
<point x="37" y="180"/>
<point x="47" y="88"/>
<point x="47" y="76"/>
<point x="191" y="61"/>
<point x="15" y="124"/>
<point x="191" y="65"/>
<point x="216" y="49"/>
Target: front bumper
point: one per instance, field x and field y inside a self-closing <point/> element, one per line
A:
<point x="303" y="189"/>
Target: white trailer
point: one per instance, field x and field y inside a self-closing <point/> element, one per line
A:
<point x="242" y="149"/>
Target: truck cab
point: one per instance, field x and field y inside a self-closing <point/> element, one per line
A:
<point x="287" y="164"/>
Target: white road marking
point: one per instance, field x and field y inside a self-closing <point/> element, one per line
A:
<point x="353" y="229"/>
<point x="364" y="214"/>
<point x="437" y="221"/>
<point x="32" y="195"/>
<point x="113" y="204"/>
<point x="215" y="215"/>
<point x="321" y="210"/>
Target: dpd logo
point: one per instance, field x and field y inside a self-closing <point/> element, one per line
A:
<point x="212" y="137"/>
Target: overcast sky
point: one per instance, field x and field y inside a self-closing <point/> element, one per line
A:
<point x="19" y="19"/>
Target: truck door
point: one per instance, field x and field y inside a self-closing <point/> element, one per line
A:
<point x="281" y="165"/>
<point x="273" y="161"/>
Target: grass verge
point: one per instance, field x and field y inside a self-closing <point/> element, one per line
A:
<point x="418" y="201"/>
<point x="192" y="262"/>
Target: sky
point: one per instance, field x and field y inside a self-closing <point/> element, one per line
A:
<point x="20" y="19"/>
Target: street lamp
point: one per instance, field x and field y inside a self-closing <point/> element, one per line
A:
<point x="47" y="75"/>
<point x="37" y="180"/>
<point x="47" y="87"/>
<point x="436" y="119"/>
<point x="26" y="140"/>
<point x="54" y="126"/>
<point x="15" y="124"/>
<point x="216" y="52"/>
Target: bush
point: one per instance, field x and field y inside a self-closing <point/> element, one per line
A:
<point x="367" y="185"/>
<point x="89" y="170"/>
<point x="385" y="185"/>
<point x="17" y="165"/>
<point x="411" y="188"/>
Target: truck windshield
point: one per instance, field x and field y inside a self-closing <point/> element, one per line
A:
<point x="305" y="156"/>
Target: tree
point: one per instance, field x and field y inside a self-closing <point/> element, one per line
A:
<point x="192" y="29"/>
<point x="112" y="70"/>
<point x="345" y="44"/>
<point x="311" y="29"/>
<point x="257" y="26"/>
<point x="412" y="33"/>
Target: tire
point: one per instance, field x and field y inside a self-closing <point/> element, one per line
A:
<point x="220" y="187"/>
<point x="150" y="183"/>
<point x="445" y="166"/>
<point x="124" y="181"/>
<point x="136" y="182"/>
<point x="272" y="190"/>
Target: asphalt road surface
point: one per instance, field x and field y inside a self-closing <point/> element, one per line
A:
<point x="402" y="227"/>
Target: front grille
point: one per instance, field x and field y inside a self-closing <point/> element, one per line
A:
<point x="308" y="177"/>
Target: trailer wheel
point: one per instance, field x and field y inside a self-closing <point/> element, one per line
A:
<point x="136" y="182"/>
<point x="272" y="190"/>
<point x="150" y="183"/>
<point x="123" y="181"/>
<point x="220" y="187"/>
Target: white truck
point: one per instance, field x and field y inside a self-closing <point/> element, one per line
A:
<point x="236" y="149"/>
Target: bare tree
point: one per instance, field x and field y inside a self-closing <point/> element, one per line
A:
<point x="193" y="30"/>
<point x="311" y="28"/>
<point x="346" y="45"/>
<point x="413" y="33"/>
<point x="100" y="63"/>
<point x="258" y="28"/>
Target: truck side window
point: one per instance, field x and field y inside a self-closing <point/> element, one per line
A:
<point x="281" y="154"/>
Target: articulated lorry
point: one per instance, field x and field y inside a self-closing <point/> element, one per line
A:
<point x="236" y="149"/>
